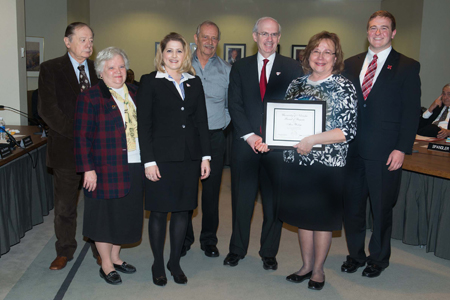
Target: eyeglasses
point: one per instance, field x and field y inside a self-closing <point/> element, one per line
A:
<point x="325" y="54"/>
<point x="266" y="34"/>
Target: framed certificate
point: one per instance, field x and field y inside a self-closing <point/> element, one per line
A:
<point x="287" y="122"/>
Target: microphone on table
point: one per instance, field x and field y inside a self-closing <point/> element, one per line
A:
<point x="41" y="125"/>
<point x="12" y="142"/>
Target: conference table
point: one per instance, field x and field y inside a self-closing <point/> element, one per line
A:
<point x="26" y="189"/>
<point x="422" y="213"/>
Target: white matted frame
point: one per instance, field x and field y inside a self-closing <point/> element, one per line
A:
<point x="287" y="122"/>
<point x="34" y="55"/>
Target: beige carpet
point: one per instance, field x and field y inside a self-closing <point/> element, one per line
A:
<point x="413" y="273"/>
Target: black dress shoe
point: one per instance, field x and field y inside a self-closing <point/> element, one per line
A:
<point x="232" y="259"/>
<point x="270" y="263"/>
<point x="298" y="278"/>
<point x="112" y="278"/>
<point x="372" y="271"/>
<point x="160" y="280"/>
<point x="125" y="268"/>
<point x="180" y="279"/>
<point x="210" y="250"/>
<point x="184" y="250"/>
<point x="314" y="285"/>
<point x="351" y="266"/>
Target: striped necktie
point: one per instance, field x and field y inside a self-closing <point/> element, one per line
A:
<point x="368" y="78"/>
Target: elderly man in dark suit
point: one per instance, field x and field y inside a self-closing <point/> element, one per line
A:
<point x="60" y="81"/>
<point x="265" y="75"/>
<point x="388" y="88"/>
<point x="434" y="122"/>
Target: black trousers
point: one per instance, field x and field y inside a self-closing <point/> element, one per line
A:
<point x="248" y="172"/>
<point x="210" y="194"/>
<point x="430" y="130"/>
<point x="66" y="188"/>
<point x="369" y="178"/>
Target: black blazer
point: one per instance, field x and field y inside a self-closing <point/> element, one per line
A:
<point x="387" y="119"/>
<point x="435" y="113"/>
<point x="58" y="92"/>
<point x="167" y="124"/>
<point x="244" y="97"/>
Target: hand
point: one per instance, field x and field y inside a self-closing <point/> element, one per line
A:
<point x="90" y="180"/>
<point x="443" y="133"/>
<point x="205" y="169"/>
<point x="262" y="147"/>
<point x="305" y="146"/>
<point x="152" y="173"/>
<point x="254" y="140"/>
<point x="395" y="160"/>
<point x="437" y="102"/>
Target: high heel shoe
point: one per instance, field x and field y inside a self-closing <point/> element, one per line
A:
<point x="160" y="280"/>
<point x="317" y="286"/>
<point x="180" y="279"/>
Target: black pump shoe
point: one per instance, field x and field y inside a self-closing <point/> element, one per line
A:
<point x="180" y="279"/>
<point x="298" y="278"/>
<point x="314" y="285"/>
<point x="112" y="278"/>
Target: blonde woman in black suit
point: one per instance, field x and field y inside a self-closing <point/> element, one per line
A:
<point x="175" y="147"/>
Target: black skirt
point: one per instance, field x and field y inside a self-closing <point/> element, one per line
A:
<point x="117" y="221"/>
<point x="177" y="189"/>
<point x="311" y="196"/>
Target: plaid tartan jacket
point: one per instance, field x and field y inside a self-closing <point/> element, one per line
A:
<point x="100" y="141"/>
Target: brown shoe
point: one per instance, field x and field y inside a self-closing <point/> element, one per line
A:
<point x="99" y="260"/>
<point x="59" y="263"/>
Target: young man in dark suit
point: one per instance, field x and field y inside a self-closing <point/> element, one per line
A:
<point x="60" y="81"/>
<point x="265" y="75"/>
<point x="434" y="122"/>
<point x="388" y="87"/>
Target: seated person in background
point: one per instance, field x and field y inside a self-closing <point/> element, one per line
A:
<point x="434" y="121"/>
<point x="130" y="78"/>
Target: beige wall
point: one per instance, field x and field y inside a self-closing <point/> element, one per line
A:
<point x="135" y="25"/>
<point x="434" y="49"/>
<point x="13" y="76"/>
<point x="47" y="19"/>
<point x="78" y="11"/>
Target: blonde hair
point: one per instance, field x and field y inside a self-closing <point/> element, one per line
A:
<point x="186" y="65"/>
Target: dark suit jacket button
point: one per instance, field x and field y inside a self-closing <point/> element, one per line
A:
<point x="183" y="126"/>
<point x="364" y="105"/>
<point x="182" y="108"/>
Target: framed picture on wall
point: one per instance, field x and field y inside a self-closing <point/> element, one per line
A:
<point x="156" y="47"/>
<point x="297" y="52"/>
<point x="34" y="55"/>
<point x="193" y="47"/>
<point x="233" y="52"/>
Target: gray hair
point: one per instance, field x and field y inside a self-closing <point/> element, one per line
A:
<point x="108" y="54"/>
<point x="255" y="28"/>
<point x="207" y="22"/>
<point x="446" y="86"/>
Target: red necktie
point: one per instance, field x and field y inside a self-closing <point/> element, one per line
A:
<point x="263" y="80"/>
<point x="368" y="78"/>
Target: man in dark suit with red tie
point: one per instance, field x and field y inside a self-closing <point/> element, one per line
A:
<point x="388" y="87"/>
<point x="265" y="75"/>
<point x="60" y="81"/>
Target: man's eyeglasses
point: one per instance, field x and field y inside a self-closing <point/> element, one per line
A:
<point x="266" y="34"/>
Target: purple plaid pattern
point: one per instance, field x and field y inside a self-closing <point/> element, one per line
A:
<point x="368" y="77"/>
<point x="100" y="141"/>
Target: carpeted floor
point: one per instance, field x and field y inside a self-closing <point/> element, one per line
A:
<point x="24" y="274"/>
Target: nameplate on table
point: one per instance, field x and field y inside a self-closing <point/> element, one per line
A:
<point x="439" y="147"/>
<point x="26" y="141"/>
<point x="4" y="152"/>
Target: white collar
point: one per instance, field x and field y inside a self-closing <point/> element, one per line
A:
<point x="184" y="76"/>
<point x="271" y="58"/>
<point x="382" y="55"/>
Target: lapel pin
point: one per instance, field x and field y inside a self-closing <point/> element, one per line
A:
<point x="389" y="67"/>
<point x="188" y="85"/>
<point x="278" y="73"/>
<point x="113" y="107"/>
